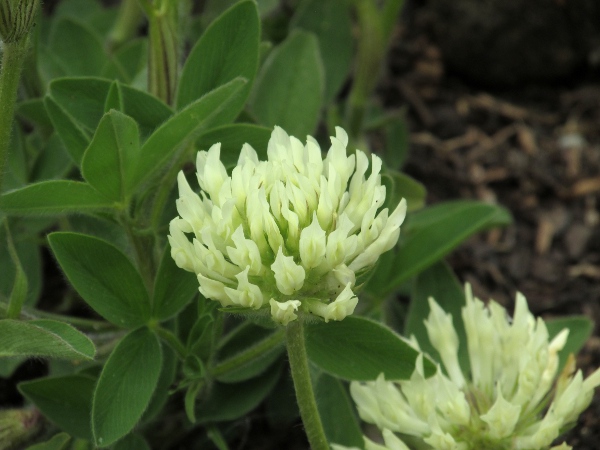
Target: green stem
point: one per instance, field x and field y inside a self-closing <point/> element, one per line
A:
<point x="14" y="54"/>
<point x="305" y="396"/>
<point x="81" y="323"/>
<point x="172" y="341"/>
<point x="143" y="246"/>
<point x="240" y="359"/>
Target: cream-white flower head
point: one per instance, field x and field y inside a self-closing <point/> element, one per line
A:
<point x="512" y="398"/>
<point x="288" y="235"/>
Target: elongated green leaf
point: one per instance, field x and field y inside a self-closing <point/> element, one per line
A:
<point x="439" y="282"/>
<point x="360" y="349"/>
<point x="434" y="232"/>
<point x="104" y="277"/>
<point x="232" y="137"/>
<point x="399" y="186"/>
<point x="214" y="109"/>
<point x="330" y="21"/>
<point x="227" y="49"/>
<point x="66" y="401"/>
<point x="109" y="162"/>
<point x="337" y="412"/>
<point x="163" y="386"/>
<point x="73" y="135"/>
<point x="58" y="442"/>
<point x="125" y="386"/>
<point x="44" y="338"/>
<point x="173" y="288"/>
<point x="53" y="197"/>
<point x="232" y="401"/>
<point x="580" y="330"/>
<point x="289" y="87"/>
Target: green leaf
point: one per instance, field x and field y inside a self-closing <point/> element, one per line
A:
<point x="33" y="110"/>
<point x="337" y="412"/>
<point x="104" y="277"/>
<point x="580" y="330"/>
<point x="163" y="386"/>
<point x="28" y="252"/>
<point x="125" y="386"/>
<point x="19" y="289"/>
<point x="110" y="161"/>
<point x="228" y="49"/>
<point x="173" y="288"/>
<point x="330" y="21"/>
<point x="84" y="98"/>
<point x="53" y="197"/>
<point x="439" y="282"/>
<point x="434" y="232"/>
<point x="232" y="401"/>
<point x="397" y="137"/>
<point x="289" y="88"/>
<point x="232" y="137"/>
<point x="44" y="338"/>
<point x="58" y="442"/>
<point x="132" y="57"/>
<point x="260" y="347"/>
<point x="360" y="349"/>
<point x="213" y="109"/>
<point x="53" y="162"/>
<point x="132" y="442"/>
<point x="73" y="135"/>
<point x="73" y="49"/>
<point x="66" y="401"/>
<point x="399" y="186"/>
<point x="114" y="98"/>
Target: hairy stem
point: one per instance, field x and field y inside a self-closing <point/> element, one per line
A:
<point x="12" y="62"/>
<point x="305" y="396"/>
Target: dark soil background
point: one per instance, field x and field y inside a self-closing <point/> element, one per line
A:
<point x="503" y="106"/>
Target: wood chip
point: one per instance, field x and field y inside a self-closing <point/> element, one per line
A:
<point x="544" y="235"/>
<point x="526" y="140"/>
<point x="585" y="186"/>
<point x="585" y="270"/>
<point x="508" y="110"/>
<point x="418" y="105"/>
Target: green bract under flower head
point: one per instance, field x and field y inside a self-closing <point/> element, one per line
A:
<point x="512" y="398"/>
<point x="289" y="235"/>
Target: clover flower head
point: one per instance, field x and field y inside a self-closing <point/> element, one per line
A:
<point x="511" y="399"/>
<point x="293" y="235"/>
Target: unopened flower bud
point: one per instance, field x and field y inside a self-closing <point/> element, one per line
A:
<point x="16" y="18"/>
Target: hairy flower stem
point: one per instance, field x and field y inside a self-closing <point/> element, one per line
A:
<point x="305" y="396"/>
<point x="10" y="71"/>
